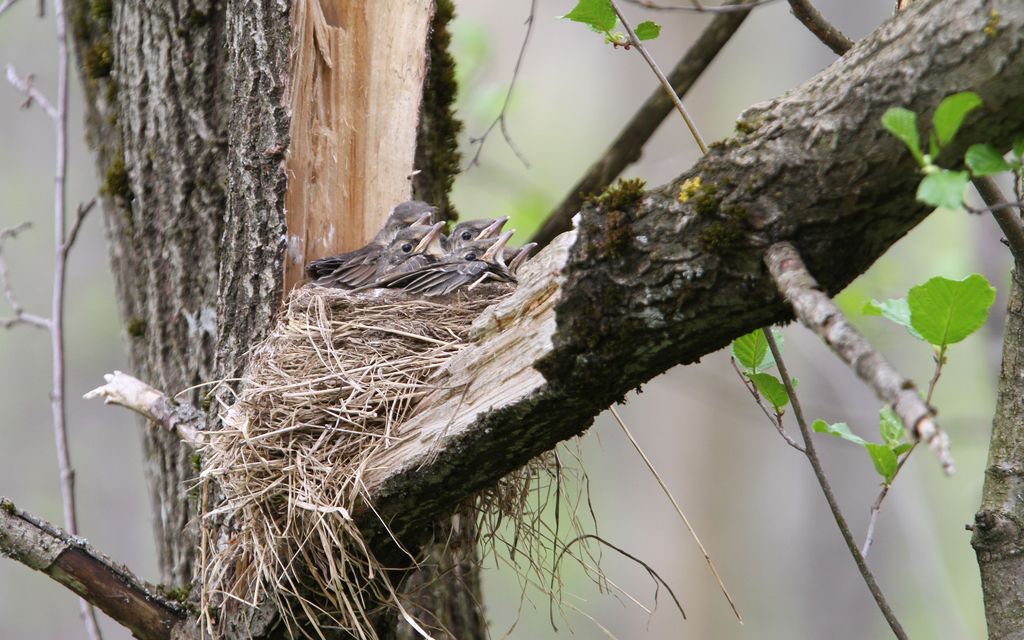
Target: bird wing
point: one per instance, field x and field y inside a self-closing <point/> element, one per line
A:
<point x="444" y="277"/>
<point x="349" y="270"/>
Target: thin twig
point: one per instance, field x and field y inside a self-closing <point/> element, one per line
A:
<point x="20" y="316"/>
<point x="679" y="510"/>
<point x="822" y="29"/>
<point x="773" y="416"/>
<point x="83" y="211"/>
<point x="1008" y="220"/>
<point x="6" y="5"/>
<point x="32" y="94"/>
<point x="725" y="8"/>
<point x="500" y="120"/>
<point x="661" y="77"/>
<point x="626" y="148"/>
<point x="826" y="488"/>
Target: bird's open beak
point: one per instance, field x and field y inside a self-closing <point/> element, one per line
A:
<point x="431" y="243"/>
<point x="492" y="229"/>
<point x="424" y="218"/>
<point x="521" y="256"/>
<point x="494" y="252"/>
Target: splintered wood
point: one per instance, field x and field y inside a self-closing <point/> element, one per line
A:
<point x="357" y="82"/>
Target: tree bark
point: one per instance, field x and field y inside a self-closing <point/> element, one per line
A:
<point x="998" y="536"/>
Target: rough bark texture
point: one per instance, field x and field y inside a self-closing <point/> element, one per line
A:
<point x="999" y="525"/>
<point x="652" y="281"/>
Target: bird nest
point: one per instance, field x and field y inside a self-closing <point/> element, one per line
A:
<point x="327" y="391"/>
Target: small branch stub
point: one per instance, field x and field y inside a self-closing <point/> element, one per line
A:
<point x="132" y="393"/>
<point x="818" y="313"/>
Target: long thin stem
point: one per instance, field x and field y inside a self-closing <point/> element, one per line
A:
<point x="57" y="404"/>
<point x="826" y="488"/>
<point x="635" y="41"/>
<point x="679" y="510"/>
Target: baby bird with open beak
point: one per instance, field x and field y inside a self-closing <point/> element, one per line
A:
<point x="359" y="267"/>
<point x="471" y="230"/>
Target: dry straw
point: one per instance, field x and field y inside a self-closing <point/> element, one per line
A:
<point x="323" y="394"/>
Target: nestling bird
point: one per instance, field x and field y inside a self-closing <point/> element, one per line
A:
<point x="479" y="261"/>
<point x="470" y="230"/>
<point x="519" y="256"/>
<point x="357" y="268"/>
<point x="412" y="248"/>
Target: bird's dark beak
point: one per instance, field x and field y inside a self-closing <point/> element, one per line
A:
<point x="492" y="229"/>
<point x="494" y="252"/>
<point x="424" y="218"/>
<point x="431" y="243"/>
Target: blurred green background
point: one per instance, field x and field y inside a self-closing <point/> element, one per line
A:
<point x="751" y="498"/>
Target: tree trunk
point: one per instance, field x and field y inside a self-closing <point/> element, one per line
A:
<point x="998" y="530"/>
<point x="187" y="108"/>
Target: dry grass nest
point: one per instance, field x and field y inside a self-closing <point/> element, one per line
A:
<point x="328" y="390"/>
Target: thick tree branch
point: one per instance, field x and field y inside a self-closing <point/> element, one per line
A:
<point x="819" y="314"/>
<point x="653" y="280"/>
<point x="95" y="578"/>
<point x="626" y="148"/>
<point x="180" y="418"/>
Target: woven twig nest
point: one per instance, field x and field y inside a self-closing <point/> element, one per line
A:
<point x="329" y="388"/>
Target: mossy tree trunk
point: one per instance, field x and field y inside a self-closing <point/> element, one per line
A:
<point x="187" y="115"/>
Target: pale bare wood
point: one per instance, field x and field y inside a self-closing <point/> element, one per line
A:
<point x="497" y="370"/>
<point x="357" y="71"/>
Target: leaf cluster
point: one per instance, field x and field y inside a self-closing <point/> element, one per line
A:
<point x="600" y="16"/>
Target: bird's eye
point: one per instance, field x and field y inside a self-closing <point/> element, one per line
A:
<point x="406" y="248"/>
<point x="466" y="235"/>
<point x="470" y="256"/>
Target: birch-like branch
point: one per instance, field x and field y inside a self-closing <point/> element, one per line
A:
<point x="32" y="94"/>
<point x="180" y="418"/>
<point x="70" y="561"/>
<point x="820" y="314"/>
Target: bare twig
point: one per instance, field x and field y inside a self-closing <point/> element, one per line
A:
<point x="1008" y="220"/>
<point x="501" y="119"/>
<point x="626" y="148"/>
<point x="661" y="77"/>
<point x="129" y="392"/>
<point x="822" y="29"/>
<point x="32" y="94"/>
<point x="6" y="5"/>
<point x="73" y="563"/>
<point x="679" y="510"/>
<point x="817" y="311"/>
<point x="876" y="506"/>
<point x="725" y="8"/>
<point x="773" y="416"/>
<point x="83" y="211"/>
<point x="826" y="488"/>
<point x="20" y="316"/>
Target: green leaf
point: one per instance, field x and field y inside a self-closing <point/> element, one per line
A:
<point x="752" y="351"/>
<point x="648" y="30"/>
<point x="1018" y="148"/>
<point x="984" y="160"/>
<point x="944" y="189"/>
<point x="902" y="123"/>
<point x="884" y="460"/>
<point x="891" y="427"/>
<point x="946" y="311"/>
<point x="839" y="430"/>
<point x="895" y="310"/>
<point x="771" y="388"/>
<point x="950" y="114"/>
<point x="903" y="448"/>
<point x="599" y="15"/>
